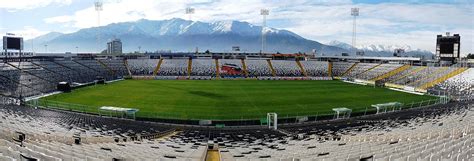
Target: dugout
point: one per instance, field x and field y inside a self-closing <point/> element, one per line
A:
<point x="391" y="106"/>
<point x="342" y="112"/>
<point x="64" y="87"/>
<point x="379" y="83"/>
<point x="99" y="80"/>
<point x="118" y="112"/>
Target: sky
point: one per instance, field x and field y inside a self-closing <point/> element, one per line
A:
<point x="381" y="22"/>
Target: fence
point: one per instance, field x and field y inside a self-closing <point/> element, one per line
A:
<point x="6" y="100"/>
<point x="62" y="106"/>
<point x="453" y="95"/>
<point x="184" y="116"/>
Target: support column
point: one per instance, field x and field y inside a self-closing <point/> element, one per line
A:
<point x="217" y="69"/>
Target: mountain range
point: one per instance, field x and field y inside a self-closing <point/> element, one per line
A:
<point x="383" y="50"/>
<point x="184" y="35"/>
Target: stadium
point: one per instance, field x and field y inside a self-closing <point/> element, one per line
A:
<point x="235" y="106"/>
<point x="187" y="107"/>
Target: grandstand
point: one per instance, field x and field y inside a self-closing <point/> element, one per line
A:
<point x="437" y="129"/>
<point x="259" y="68"/>
<point x="458" y="86"/>
<point x="430" y="133"/>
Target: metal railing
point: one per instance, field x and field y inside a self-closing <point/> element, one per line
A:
<point x="181" y="117"/>
<point x="7" y="100"/>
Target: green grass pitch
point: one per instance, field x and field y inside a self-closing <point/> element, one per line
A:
<point x="232" y="99"/>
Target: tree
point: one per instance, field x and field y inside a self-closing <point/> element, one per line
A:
<point x="470" y="56"/>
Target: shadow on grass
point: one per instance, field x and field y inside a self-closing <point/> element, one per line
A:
<point x="208" y="94"/>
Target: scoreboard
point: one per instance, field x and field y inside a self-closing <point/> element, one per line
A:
<point x="12" y="43"/>
<point x="448" y="47"/>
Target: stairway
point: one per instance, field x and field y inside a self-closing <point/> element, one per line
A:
<point x="106" y="67"/>
<point x="246" y="72"/>
<point x="52" y="71"/>
<point x="369" y="69"/>
<point x="330" y="69"/>
<point x="125" y="62"/>
<point x="21" y="84"/>
<point x="441" y="69"/>
<point x="287" y="133"/>
<point x="213" y="155"/>
<point x="411" y="73"/>
<point x="88" y="67"/>
<point x="217" y="69"/>
<point x="349" y="70"/>
<point x="303" y="71"/>
<point x="443" y="78"/>
<point x="271" y="67"/>
<point x="29" y="73"/>
<point x="190" y="67"/>
<point x="158" y="66"/>
<point x="392" y="73"/>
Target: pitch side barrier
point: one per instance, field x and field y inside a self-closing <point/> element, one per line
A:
<point x="291" y="118"/>
<point x="226" y="77"/>
<point x="172" y="118"/>
<point x="76" y="86"/>
<point x="8" y="100"/>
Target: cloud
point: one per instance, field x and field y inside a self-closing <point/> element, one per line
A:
<point x="206" y="10"/>
<point x="28" y="32"/>
<point x="59" y="19"/>
<point x="415" y="24"/>
<point x="389" y="24"/>
<point x="15" y="5"/>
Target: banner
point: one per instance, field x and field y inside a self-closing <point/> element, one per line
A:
<point x="231" y="69"/>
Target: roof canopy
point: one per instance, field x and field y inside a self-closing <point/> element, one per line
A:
<point x="342" y="112"/>
<point x="384" y="105"/>
<point x="341" y="109"/>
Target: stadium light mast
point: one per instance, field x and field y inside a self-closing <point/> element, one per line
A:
<point x="354" y="14"/>
<point x="98" y="7"/>
<point x="264" y="13"/>
<point x="190" y="11"/>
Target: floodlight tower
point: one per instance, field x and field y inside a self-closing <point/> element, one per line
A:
<point x="190" y="11"/>
<point x="98" y="7"/>
<point x="264" y="13"/>
<point x="354" y="13"/>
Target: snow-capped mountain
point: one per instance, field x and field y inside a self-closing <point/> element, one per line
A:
<point x="340" y="44"/>
<point x="388" y="48"/>
<point x="183" y="35"/>
<point x="382" y="50"/>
